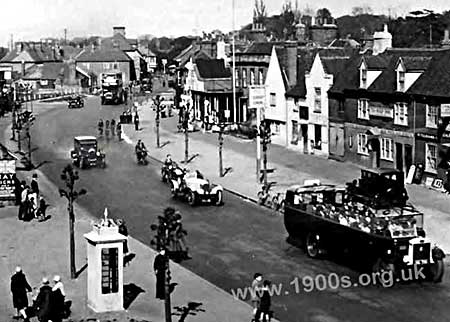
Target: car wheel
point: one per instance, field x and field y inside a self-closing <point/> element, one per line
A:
<point x="191" y="198"/>
<point x="435" y="271"/>
<point x="219" y="198"/>
<point x="76" y="163"/>
<point x="83" y="164"/>
<point x="312" y="245"/>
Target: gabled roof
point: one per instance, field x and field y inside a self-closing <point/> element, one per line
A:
<point x="102" y="55"/>
<point x="212" y="68"/>
<point x="282" y="60"/>
<point x="49" y="71"/>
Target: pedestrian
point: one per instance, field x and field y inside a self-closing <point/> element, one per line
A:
<point x="264" y="312"/>
<point x="22" y="198"/>
<point x="32" y="207"/>
<point x="107" y="129"/>
<point x="57" y="299"/>
<point x="113" y="127"/>
<point x="125" y="95"/>
<point x="18" y="190"/>
<point x="136" y="121"/>
<point x="119" y="131"/>
<point x="124" y="231"/>
<point x="100" y="127"/>
<point x="42" y="304"/>
<point x="41" y="211"/>
<point x="19" y="289"/>
<point x="256" y="292"/>
<point x="34" y="185"/>
<point x="159" y="267"/>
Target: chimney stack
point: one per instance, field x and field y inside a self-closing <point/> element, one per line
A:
<point x="291" y="53"/>
<point x="119" y="31"/>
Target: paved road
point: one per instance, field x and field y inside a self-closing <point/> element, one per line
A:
<point x="229" y="243"/>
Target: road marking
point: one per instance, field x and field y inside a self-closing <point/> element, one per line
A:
<point x="126" y="138"/>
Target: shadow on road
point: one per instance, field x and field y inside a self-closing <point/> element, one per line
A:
<point x="130" y="293"/>
<point x="192" y="308"/>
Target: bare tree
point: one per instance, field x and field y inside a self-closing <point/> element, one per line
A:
<point x="260" y="10"/>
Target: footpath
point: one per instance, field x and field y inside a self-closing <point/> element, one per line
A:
<point x="290" y="167"/>
<point x="41" y="249"/>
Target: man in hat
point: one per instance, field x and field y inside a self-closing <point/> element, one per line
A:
<point x="42" y="303"/>
<point x="19" y="289"/>
<point x="159" y="266"/>
<point x="34" y="184"/>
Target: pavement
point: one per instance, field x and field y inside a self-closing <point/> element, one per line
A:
<point x="49" y="256"/>
<point x="291" y="167"/>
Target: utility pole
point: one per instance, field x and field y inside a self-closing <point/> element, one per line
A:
<point x="234" y="64"/>
<point x="186" y="134"/>
<point x="265" y="139"/>
<point x="14" y="115"/>
<point x="69" y="176"/>
<point x="221" y="149"/>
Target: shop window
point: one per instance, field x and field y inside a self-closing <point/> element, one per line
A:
<point x="252" y="77"/>
<point x="432" y="116"/>
<point x="387" y="149"/>
<point x="431" y="158"/>
<point x="236" y="78"/>
<point x="401" y="114"/>
<point x="362" y="144"/>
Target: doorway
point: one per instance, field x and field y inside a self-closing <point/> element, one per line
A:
<point x="408" y="156"/>
<point x="399" y="156"/>
<point x="304" y="128"/>
<point x="375" y="153"/>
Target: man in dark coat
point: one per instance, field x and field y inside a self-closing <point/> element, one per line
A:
<point x="57" y="300"/>
<point x="136" y="121"/>
<point x="42" y="303"/>
<point x="159" y="266"/>
<point x="264" y="313"/>
<point x="18" y="190"/>
<point x="34" y="185"/>
<point x="19" y="289"/>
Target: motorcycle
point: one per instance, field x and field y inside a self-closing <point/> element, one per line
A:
<point x="141" y="157"/>
<point x="167" y="171"/>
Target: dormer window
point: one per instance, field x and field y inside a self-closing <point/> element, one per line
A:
<point x="363" y="77"/>
<point x="401" y="81"/>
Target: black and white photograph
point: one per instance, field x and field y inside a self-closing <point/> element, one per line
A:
<point x="225" y="161"/>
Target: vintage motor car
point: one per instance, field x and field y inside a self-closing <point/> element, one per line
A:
<point x="194" y="188"/>
<point x="324" y="220"/>
<point x="86" y="153"/>
<point x="381" y="187"/>
<point x="75" y="102"/>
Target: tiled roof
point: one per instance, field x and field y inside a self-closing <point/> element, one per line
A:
<point x="212" y="68"/>
<point x="262" y="48"/>
<point x="334" y="65"/>
<point x="378" y="62"/>
<point x="45" y="71"/>
<point x="416" y="63"/>
<point x="37" y="52"/>
<point x="118" y="41"/>
<point x="102" y="55"/>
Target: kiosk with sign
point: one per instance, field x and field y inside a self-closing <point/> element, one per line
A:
<point x="7" y="175"/>
<point x="105" y="266"/>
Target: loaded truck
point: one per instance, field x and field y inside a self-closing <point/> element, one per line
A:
<point x="112" y="88"/>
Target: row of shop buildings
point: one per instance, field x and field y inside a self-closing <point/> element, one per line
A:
<point x="378" y="106"/>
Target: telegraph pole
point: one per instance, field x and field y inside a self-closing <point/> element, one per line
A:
<point x="221" y="149"/>
<point x="186" y="134"/>
<point x="157" y="120"/>
<point x="14" y="107"/>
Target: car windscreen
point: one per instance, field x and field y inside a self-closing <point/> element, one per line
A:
<point x="87" y="145"/>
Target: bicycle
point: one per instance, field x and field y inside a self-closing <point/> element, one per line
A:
<point x="264" y="195"/>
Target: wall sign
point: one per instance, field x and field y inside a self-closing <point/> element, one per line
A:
<point x="445" y="110"/>
<point x="381" y="111"/>
<point x="7" y="176"/>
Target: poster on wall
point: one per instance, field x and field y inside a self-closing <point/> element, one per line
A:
<point x="7" y="176"/>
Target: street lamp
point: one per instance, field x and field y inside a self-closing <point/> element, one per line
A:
<point x="69" y="176"/>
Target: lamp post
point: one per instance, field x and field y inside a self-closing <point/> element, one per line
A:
<point x="69" y="176"/>
<point x="157" y="118"/>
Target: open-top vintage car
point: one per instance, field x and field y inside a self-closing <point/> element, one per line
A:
<point x="194" y="188"/>
<point x="75" y="102"/>
<point x="86" y="152"/>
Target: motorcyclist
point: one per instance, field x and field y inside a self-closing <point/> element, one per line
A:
<point x="141" y="150"/>
<point x="168" y="162"/>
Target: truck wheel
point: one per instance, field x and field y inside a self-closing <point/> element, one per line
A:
<point x="219" y="198"/>
<point x="83" y="164"/>
<point x="436" y="271"/>
<point x="380" y="267"/>
<point x="191" y="198"/>
<point x="312" y="245"/>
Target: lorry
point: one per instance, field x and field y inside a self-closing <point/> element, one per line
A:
<point x="328" y="219"/>
<point x="112" y="88"/>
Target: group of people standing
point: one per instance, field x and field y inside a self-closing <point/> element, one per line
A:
<point x="31" y="204"/>
<point x="261" y="299"/>
<point x="110" y="128"/>
<point x="49" y="303"/>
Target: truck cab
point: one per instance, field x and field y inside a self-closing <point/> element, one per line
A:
<point x="112" y="88"/>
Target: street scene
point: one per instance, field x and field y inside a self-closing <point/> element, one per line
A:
<point x="289" y="163"/>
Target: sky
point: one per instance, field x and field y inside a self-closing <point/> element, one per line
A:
<point x="36" y="19"/>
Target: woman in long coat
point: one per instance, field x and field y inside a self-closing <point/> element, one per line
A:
<point x="159" y="266"/>
<point x="19" y="289"/>
<point x="42" y="303"/>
